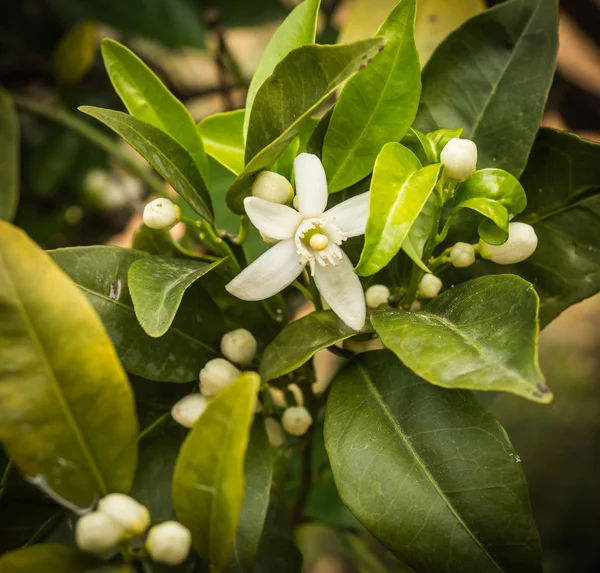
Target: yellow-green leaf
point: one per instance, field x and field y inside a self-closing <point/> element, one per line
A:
<point x="223" y="138"/>
<point x="67" y="417"/>
<point x="76" y="51"/>
<point x="208" y="483"/>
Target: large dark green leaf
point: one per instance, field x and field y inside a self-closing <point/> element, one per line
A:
<point x="428" y="471"/>
<point x="148" y="99"/>
<point x="9" y="157"/>
<point x="165" y="154"/>
<point x="300" y="340"/>
<point x="300" y="83"/>
<point x="101" y="272"/>
<point x="157" y="285"/>
<point x="377" y="106"/>
<point x="480" y="335"/>
<point x="67" y="416"/>
<point x="400" y="189"/>
<point x="298" y="29"/>
<point x="258" y="474"/>
<point x="171" y="22"/>
<point x="562" y="183"/>
<point x="492" y="77"/>
<point x="223" y="138"/>
<point x="208" y="483"/>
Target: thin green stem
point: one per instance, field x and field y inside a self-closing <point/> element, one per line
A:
<point x="315" y="293"/>
<point x="243" y="233"/>
<point x="158" y="422"/>
<point x="298" y="285"/>
<point x="95" y="136"/>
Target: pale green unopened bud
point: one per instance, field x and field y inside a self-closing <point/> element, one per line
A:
<point x="430" y="286"/>
<point x="273" y="187"/>
<point x="131" y="516"/>
<point x="274" y="432"/>
<point x="296" y="420"/>
<point x="161" y="214"/>
<point x="187" y="411"/>
<point x="459" y="157"/>
<point x="216" y="375"/>
<point x="376" y="295"/>
<point x="169" y="542"/>
<point x="462" y="255"/>
<point x="521" y="244"/>
<point x="96" y="532"/>
<point x="239" y="346"/>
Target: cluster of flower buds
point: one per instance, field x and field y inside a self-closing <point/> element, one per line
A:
<point x="237" y="346"/>
<point x="119" y="518"/>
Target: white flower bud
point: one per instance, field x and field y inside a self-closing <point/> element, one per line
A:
<point x="131" y="516"/>
<point x="274" y="432"/>
<point x="296" y="420"/>
<point x="239" y="346"/>
<point x="187" y="411"/>
<point x="459" y="157"/>
<point x="169" y="542"/>
<point x="273" y="187"/>
<point x="462" y="255"/>
<point x="96" y="532"/>
<point x="522" y="242"/>
<point x="161" y="214"/>
<point x="216" y="375"/>
<point x="377" y="295"/>
<point x="430" y="286"/>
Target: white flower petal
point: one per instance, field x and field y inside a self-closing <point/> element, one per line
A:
<point x="269" y="274"/>
<point x="342" y="291"/>
<point x="311" y="185"/>
<point x="351" y="215"/>
<point x="272" y="219"/>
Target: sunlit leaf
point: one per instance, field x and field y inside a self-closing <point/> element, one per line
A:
<point x="223" y="137"/>
<point x="67" y="417"/>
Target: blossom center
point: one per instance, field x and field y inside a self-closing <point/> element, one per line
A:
<point x="318" y="241"/>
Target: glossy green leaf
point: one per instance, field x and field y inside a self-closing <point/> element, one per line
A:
<point x="192" y="340"/>
<point x="421" y="230"/>
<point x="258" y="475"/>
<point x="148" y="99"/>
<point x="172" y="22"/>
<point x="167" y="156"/>
<point x="300" y="340"/>
<point x="223" y="138"/>
<point x="157" y="285"/>
<point x="208" y="483"/>
<point x="485" y="336"/>
<point x="428" y="471"/>
<point x="67" y="417"/>
<point x="562" y="182"/>
<point x="377" y="106"/>
<point x="400" y="189"/>
<point x="299" y="85"/>
<point x="298" y="29"/>
<point x="421" y="146"/>
<point x="314" y="144"/>
<point x="9" y="157"/>
<point x="486" y="191"/>
<point x="160" y="242"/>
<point x="492" y="77"/>
<point x="440" y="137"/>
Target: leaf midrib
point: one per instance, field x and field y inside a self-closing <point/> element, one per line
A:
<point x="55" y="384"/>
<point x="130" y="309"/>
<point x="420" y="463"/>
<point x="505" y="69"/>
